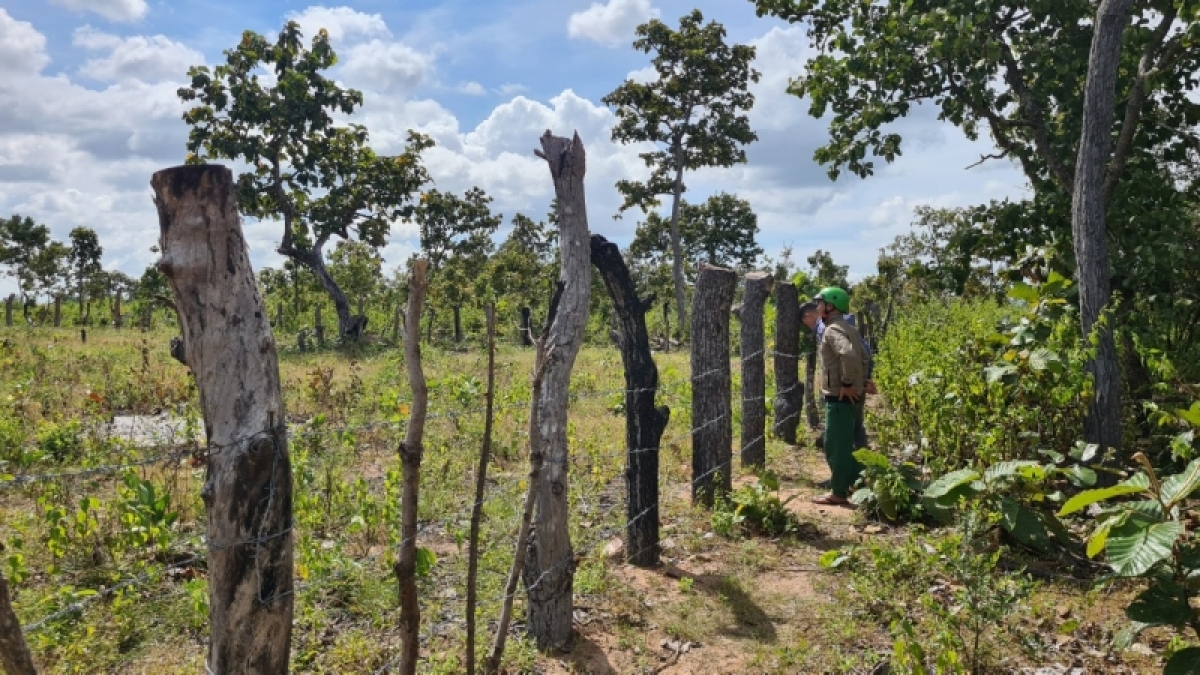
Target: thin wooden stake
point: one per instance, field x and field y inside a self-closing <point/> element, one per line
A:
<point x="480" y="481"/>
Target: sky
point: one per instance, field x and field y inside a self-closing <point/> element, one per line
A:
<point x="88" y="112"/>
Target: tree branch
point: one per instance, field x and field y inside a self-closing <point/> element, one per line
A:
<point x="1137" y="97"/>
<point x="1033" y="115"/>
<point x="984" y="158"/>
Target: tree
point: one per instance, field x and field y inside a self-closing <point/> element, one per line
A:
<point x="356" y="267"/>
<point x="84" y="261"/>
<point x="720" y="232"/>
<point x="1013" y="69"/>
<point x="694" y="111"/>
<point x="825" y="272"/>
<point x="456" y="238"/>
<point x="317" y="175"/>
<point x="942" y="254"/>
<point x="33" y="259"/>
<point x="522" y="267"/>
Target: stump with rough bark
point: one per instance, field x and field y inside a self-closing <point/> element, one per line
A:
<point x="526" y="328"/>
<point x="644" y="422"/>
<point x="8" y="305"/>
<point x="15" y="658"/>
<point x="754" y="374"/>
<point x="789" y="393"/>
<point x="549" y="571"/>
<point x="228" y="346"/>
<point x="712" y="412"/>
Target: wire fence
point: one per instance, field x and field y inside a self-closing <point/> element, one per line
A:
<point x="601" y="501"/>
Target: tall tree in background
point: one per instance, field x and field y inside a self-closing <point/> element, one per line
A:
<point x="317" y="175"/>
<point x="694" y="110"/>
<point x="34" y="261"/>
<point x="1013" y="70"/>
<point x="84" y="260"/>
<point x="357" y="267"/>
<point x="456" y="239"/>
<point x="522" y="267"/>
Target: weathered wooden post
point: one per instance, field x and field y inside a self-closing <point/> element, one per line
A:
<point x="549" y="572"/>
<point x="411" y="451"/>
<point x="712" y="412"/>
<point x="117" y="311"/>
<point x="526" y="328"/>
<point x="667" y="327"/>
<point x="8" y="304"/>
<point x="788" y="392"/>
<point x="644" y="423"/>
<point x="57" y="311"/>
<point x="228" y="346"/>
<point x="318" y="326"/>
<point x="754" y="371"/>
<point x="15" y="658"/>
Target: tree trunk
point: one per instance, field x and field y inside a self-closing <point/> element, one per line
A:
<point x="1089" y="222"/>
<point x="319" y="326"/>
<point x="644" y="423"/>
<point x="480" y="485"/>
<point x="57" y="311"/>
<point x="526" y="328"/>
<point x="550" y="571"/>
<point x="348" y="326"/>
<point x="676" y="245"/>
<point x="667" y="327"/>
<point x="410" y="458"/>
<point x="457" y="323"/>
<point x="228" y="346"/>
<point x="117" y="311"/>
<point x="754" y="373"/>
<point x="712" y="412"/>
<point x="15" y="658"/>
<point x="278" y="317"/>
<point x="396" y="322"/>
<point x="788" y="392"/>
<point x="8" y="303"/>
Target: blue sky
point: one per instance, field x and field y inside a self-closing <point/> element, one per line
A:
<point x="88" y="112"/>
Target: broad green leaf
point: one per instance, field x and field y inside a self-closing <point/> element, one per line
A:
<point x="954" y="479"/>
<point x="1098" y="539"/>
<point x="1024" y="525"/>
<point x="425" y="562"/>
<point x="1006" y="469"/>
<point x="1125" y="637"/>
<point x="872" y="458"/>
<point x="1023" y="291"/>
<point x="1042" y="358"/>
<point x="1088" y="497"/>
<point x="1177" y="487"/>
<point x="998" y="372"/>
<point x="833" y="558"/>
<point x="1191" y="415"/>
<point x="1162" y="604"/>
<point x="1184" y="662"/>
<point x="1081" y="476"/>
<point x="1134" y="547"/>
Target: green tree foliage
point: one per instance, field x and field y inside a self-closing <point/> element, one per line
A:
<point x="84" y="261"/>
<point x="34" y="260"/>
<point x="357" y="267"/>
<point x="693" y="111"/>
<point x="456" y="238"/>
<point x="523" y="265"/>
<point x="316" y="174"/>
<point x="941" y="256"/>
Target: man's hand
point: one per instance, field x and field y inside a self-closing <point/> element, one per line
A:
<point x="848" y="393"/>
<point x="869" y="387"/>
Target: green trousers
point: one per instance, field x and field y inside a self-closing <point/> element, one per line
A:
<point x="840" y="422"/>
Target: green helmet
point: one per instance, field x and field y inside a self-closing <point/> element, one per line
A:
<point x="836" y="297"/>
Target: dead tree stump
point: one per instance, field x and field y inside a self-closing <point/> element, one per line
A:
<point x="526" y="328"/>
<point x="117" y="310"/>
<point x="549" y="573"/>
<point x="788" y="392"/>
<point x="319" y="327"/>
<point x="712" y="414"/>
<point x="754" y="372"/>
<point x="644" y="423"/>
<point x="57" y="311"/>
<point x="15" y="658"/>
<point x="8" y="304"/>
<point x="228" y="346"/>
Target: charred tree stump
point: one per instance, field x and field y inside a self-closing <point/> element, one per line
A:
<point x="15" y="658"/>
<point x="712" y="412"/>
<point x="526" y="328"/>
<point x="411" y="451"/>
<point x="8" y="304"/>
<point x="229" y="348"/>
<point x="549" y="572"/>
<point x="57" y="311"/>
<point x="789" y="395"/>
<point x="457" y="323"/>
<point x="754" y="372"/>
<point x="319" y="326"/>
<point x="117" y="310"/>
<point x="644" y="423"/>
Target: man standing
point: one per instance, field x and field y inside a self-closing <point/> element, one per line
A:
<point x="811" y="318"/>
<point x="843" y="381"/>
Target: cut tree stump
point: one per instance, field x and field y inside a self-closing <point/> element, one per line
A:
<point x="228" y="345"/>
<point x="712" y="412"/>
<point x="754" y="373"/>
<point x="549" y="572"/>
<point x="644" y="422"/>
<point x="789" y="394"/>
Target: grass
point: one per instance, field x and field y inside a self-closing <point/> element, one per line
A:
<point x="742" y="604"/>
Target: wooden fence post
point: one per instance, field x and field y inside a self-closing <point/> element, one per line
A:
<point x="549" y="572"/>
<point x="644" y="423"/>
<point x="712" y="412"/>
<point x="526" y="328"/>
<point x="754" y="372"/>
<point x="228" y="346"/>
<point x="788" y="392"/>
<point x="411" y="451"/>
<point x="57" y="311"/>
<point x="8" y="304"/>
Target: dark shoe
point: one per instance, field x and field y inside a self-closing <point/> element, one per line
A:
<point x="823" y="484"/>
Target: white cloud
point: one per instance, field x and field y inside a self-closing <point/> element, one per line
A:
<point x="114" y="10"/>
<point x="510" y="89"/>
<point x="22" y="47"/>
<point x="385" y="66"/>
<point x="472" y="88"/>
<point x="612" y="24"/>
<point x="140" y="57"/>
<point x="342" y="23"/>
